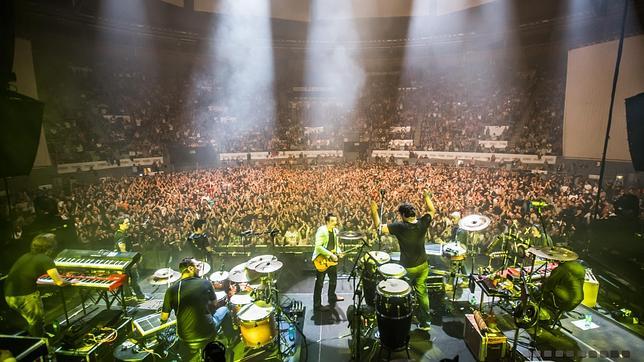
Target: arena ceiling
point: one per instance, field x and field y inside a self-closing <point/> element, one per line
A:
<point x="299" y="10"/>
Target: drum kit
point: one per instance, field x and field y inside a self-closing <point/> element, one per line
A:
<point x="249" y="290"/>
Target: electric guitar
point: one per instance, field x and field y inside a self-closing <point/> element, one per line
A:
<point x="322" y="263"/>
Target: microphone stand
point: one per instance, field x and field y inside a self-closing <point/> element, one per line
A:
<point x="382" y="211"/>
<point x="357" y="294"/>
<point x="542" y="221"/>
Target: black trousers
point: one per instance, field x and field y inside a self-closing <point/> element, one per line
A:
<point x="134" y="283"/>
<point x="332" y="272"/>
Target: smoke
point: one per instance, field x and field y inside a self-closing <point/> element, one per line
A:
<point x="243" y="62"/>
<point x="331" y="61"/>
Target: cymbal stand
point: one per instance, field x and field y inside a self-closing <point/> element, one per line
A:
<point x="279" y="315"/>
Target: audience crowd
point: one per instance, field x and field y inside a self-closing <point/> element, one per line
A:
<point x="294" y="200"/>
<point x="121" y="105"/>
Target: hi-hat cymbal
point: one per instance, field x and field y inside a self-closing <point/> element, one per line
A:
<point x="240" y="274"/>
<point x="258" y="259"/>
<point x="474" y="222"/>
<point x="350" y="235"/>
<point x="270" y="266"/>
<point x="557" y="253"/>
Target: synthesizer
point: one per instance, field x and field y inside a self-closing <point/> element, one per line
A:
<point x="96" y="259"/>
<point x="109" y="283"/>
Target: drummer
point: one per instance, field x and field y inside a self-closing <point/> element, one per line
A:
<point x="194" y="301"/>
<point x="410" y="233"/>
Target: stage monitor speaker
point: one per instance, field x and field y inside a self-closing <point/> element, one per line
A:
<point x="20" y="125"/>
<point x="635" y="129"/>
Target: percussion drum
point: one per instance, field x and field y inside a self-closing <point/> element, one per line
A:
<point x="392" y="271"/>
<point x="257" y="324"/>
<point x="370" y="263"/>
<point x="238" y="301"/>
<point x="455" y="251"/>
<point x="394" y="311"/>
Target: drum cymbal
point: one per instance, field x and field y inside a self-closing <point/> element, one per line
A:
<point x="239" y="274"/>
<point x="474" y="222"/>
<point x="204" y="268"/>
<point x="270" y="266"/>
<point x="258" y="259"/>
<point x="164" y="273"/>
<point x="379" y="256"/>
<point x="219" y="276"/>
<point x="168" y="279"/>
<point x="557" y="253"/>
<point x="351" y="235"/>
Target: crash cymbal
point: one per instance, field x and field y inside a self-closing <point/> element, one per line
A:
<point x="204" y="268"/>
<point x="557" y="253"/>
<point x="240" y="274"/>
<point x="474" y="222"/>
<point x="270" y="266"/>
<point x="219" y="276"/>
<point x="164" y="273"/>
<point x="258" y="259"/>
<point x="169" y="278"/>
<point x="351" y="235"/>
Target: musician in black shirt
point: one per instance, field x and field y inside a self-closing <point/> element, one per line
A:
<point x="20" y="286"/>
<point x="193" y="301"/>
<point x="198" y="242"/>
<point x="410" y="233"/>
<point x="123" y="243"/>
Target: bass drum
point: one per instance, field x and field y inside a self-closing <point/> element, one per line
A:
<point x="257" y="324"/>
<point x="393" y="311"/>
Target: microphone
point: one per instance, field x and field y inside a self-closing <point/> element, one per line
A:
<point x="382" y="192"/>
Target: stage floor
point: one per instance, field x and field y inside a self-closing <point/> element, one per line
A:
<point x="328" y="337"/>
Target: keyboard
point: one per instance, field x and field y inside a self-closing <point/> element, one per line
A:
<point x="111" y="282"/>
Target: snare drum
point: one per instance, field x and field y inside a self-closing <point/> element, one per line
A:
<point x="455" y="251"/>
<point x="237" y="301"/>
<point x="393" y="310"/>
<point x="392" y="271"/>
<point x="257" y="324"/>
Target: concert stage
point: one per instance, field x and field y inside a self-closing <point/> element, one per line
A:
<point x="329" y="336"/>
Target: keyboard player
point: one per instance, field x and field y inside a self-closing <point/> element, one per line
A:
<point x="123" y="243"/>
<point x="20" y="286"/>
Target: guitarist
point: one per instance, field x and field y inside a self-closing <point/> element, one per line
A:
<point x="326" y="244"/>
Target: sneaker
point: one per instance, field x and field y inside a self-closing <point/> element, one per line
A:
<point x="424" y="326"/>
<point x="143" y="298"/>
